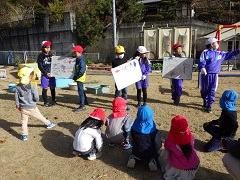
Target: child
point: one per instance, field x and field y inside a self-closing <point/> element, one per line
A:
<point x="118" y="124"/>
<point x="176" y="84"/>
<point x="26" y="96"/>
<point x="210" y="66"/>
<point x="44" y="64"/>
<point x="146" y="69"/>
<point x="226" y="126"/>
<point x="179" y="159"/>
<point x="80" y="76"/>
<point x="88" y="140"/>
<point x="146" y="139"/>
<point x="231" y="160"/>
<point x="119" y="60"/>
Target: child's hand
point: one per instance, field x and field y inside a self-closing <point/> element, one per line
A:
<point x="18" y="109"/>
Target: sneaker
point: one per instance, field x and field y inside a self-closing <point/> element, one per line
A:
<point x="128" y="108"/>
<point x="93" y="156"/>
<point x="131" y="162"/>
<point x="51" y="125"/>
<point x="80" y="108"/>
<point x="47" y="104"/>
<point x="24" y="137"/>
<point x="176" y="102"/>
<point x="204" y="106"/>
<point x="126" y="145"/>
<point x="209" y="109"/>
<point x="76" y="154"/>
<point x="152" y="165"/>
<point x="139" y="105"/>
<point x="111" y="144"/>
<point x="54" y="102"/>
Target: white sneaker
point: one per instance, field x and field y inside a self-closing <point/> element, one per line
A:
<point x="93" y="156"/>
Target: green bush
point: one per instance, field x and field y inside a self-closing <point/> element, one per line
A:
<point x="157" y="66"/>
<point x="88" y="61"/>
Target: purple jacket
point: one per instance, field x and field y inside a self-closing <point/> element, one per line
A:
<point x="146" y="69"/>
<point x="211" y="60"/>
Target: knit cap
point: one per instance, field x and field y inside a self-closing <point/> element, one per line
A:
<point x="98" y="114"/>
<point x="24" y="74"/>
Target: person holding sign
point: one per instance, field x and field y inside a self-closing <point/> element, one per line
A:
<point x="145" y="66"/>
<point x="80" y="76"/>
<point x="209" y="66"/>
<point x="176" y="84"/>
<point x="119" y="60"/>
<point x="44" y="61"/>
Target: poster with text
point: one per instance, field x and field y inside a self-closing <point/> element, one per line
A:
<point x="177" y="68"/>
<point x="63" y="67"/>
<point x="127" y="74"/>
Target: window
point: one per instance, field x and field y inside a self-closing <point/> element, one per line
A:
<point x="232" y="45"/>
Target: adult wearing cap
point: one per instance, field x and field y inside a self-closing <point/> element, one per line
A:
<point x="80" y="76"/>
<point x="179" y="159"/>
<point x="176" y="84"/>
<point x="210" y="65"/>
<point x="44" y="61"/>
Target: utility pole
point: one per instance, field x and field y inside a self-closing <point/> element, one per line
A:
<point x="114" y="24"/>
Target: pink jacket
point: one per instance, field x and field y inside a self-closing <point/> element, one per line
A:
<point x="176" y="157"/>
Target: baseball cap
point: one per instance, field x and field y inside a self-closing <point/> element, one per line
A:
<point x="98" y="114"/>
<point x="142" y="50"/>
<point x="46" y="43"/>
<point x="175" y="46"/>
<point x="210" y="41"/>
<point x="78" y="49"/>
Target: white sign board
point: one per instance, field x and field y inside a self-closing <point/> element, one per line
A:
<point x="127" y="74"/>
<point x="63" y="67"/>
<point x="177" y="68"/>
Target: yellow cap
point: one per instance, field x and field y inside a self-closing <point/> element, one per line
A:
<point x="24" y="74"/>
<point x="119" y="49"/>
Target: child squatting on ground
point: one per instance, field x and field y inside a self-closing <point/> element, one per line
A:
<point x="224" y="127"/>
<point x="88" y="139"/>
<point x="176" y="84"/>
<point x="179" y="159"/>
<point x="44" y="61"/>
<point x="210" y="65"/>
<point x="119" y="60"/>
<point x="26" y="97"/>
<point x="118" y="124"/>
<point x="146" y="139"/>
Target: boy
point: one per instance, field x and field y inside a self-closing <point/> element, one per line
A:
<point x="80" y="76"/>
<point x="210" y="65"/>
<point x="119" y="60"/>
<point x="26" y="96"/>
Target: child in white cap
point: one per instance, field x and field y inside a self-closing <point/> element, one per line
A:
<point x="26" y="97"/>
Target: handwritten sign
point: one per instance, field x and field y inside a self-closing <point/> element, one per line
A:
<point x="63" y="67"/>
<point x="177" y="68"/>
<point x="127" y="74"/>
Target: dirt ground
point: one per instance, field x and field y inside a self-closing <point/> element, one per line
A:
<point x="47" y="154"/>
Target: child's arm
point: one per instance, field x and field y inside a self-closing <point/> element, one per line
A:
<point x="229" y="55"/>
<point x="98" y="140"/>
<point x="18" y="108"/>
<point x="34" y="93"/>
<point x="202" y="61"/>
<point x="158" y="141"/>
<point x="127" y="124"/>
<point x="40" y="64"/>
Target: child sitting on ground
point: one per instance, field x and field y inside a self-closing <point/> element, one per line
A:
<point x="88" y="139"/>
<point x="224" y="127"/>
<point x="179" y="159"/>
<point x="118" y="124"/>
<point x="26" y="97"/>
<point x="146" y="139"/>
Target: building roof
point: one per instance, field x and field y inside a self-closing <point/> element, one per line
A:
<point x="149" y="1"/>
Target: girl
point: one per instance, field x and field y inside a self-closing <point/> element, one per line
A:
<point x="146" y="69"/>
<point x="118" y="124"/>
<point x="224" y="127"/>
<point x="44" y="64"/>
<point x="146" y="139"/>
<point x="88" y="140"/>
<point x="179" y="160"/>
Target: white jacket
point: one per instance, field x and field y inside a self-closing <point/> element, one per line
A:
<point x="84" y="137"/>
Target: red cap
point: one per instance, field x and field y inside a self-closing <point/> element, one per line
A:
<point x="46" y="43"/>
<point x="179" y="133"/>
<point x="98" y="114"/>
<point x="78" y="49"/>
<point x="175" y="46"/>
<point x="119" y="107"/>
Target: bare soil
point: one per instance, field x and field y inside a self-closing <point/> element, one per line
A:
<point x="47" y="154"/>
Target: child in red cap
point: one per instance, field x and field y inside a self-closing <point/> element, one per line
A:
<point x="118" y="124"/>
<point x="88" y="140"/>
<point x="179" y="159"/>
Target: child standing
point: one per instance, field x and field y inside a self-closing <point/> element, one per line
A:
<point x="176" y="84"/>
<point x="44" y="64"/>
<point x="210" y="66"/>
<point x="146" y="139"/>
<point x="224" y="127"/>
<point x="80" y="76"/>
<point x="88" y="140"/>
<point x="179" y="159"/>
<point x="26" y="96"/>
<point x="119" y="60"/>
<point x="118" y="124"/>
<point x="145" y="66"/>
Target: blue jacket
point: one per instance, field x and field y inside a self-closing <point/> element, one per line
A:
<point x="211" y="60"/>
<point x="80" y="67"/>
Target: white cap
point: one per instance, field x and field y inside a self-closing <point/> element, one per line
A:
<point x="142" y="50"/>
<point x="211" y="40"/>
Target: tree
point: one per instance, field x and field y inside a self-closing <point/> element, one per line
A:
<point x="56" y="10"/>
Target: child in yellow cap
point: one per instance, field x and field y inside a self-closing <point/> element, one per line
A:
<point x="26" y="96"/>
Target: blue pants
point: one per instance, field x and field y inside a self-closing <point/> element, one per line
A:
<point x="123" y="91"/>
<point x="176" y="87"/>
<point x="81" y="94"/>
